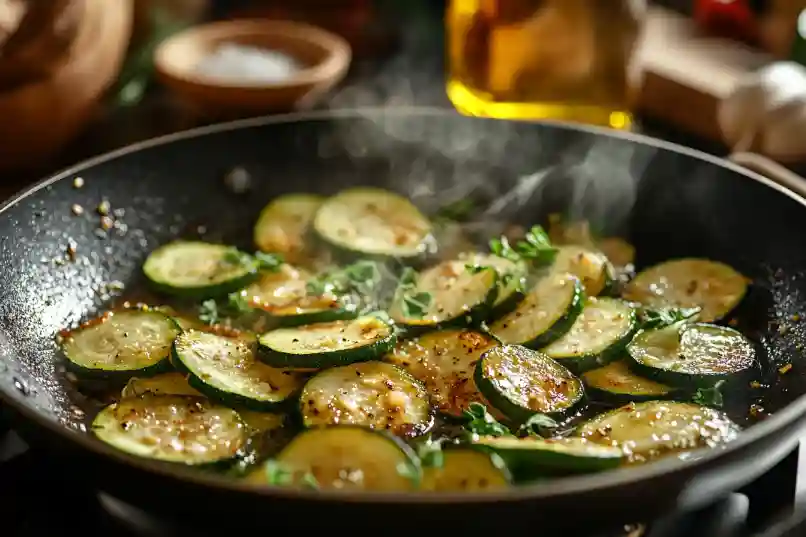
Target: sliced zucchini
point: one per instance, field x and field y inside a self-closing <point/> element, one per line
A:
<point x="599" y="334"/>
<point x="342" y="458"/>
<point x="616" y="383"/>
<point x="454" y="293"/>
<point x="284" y="297"/>
<point x="653" y="429"/>
<point x="545" y="315"/>
<point x="126" y="342"/>
<point x="465" y="469"/>
<point x="686" y="283"/>
<point x="374" y="222"/>
<point x="283" y="225"/>
<point x="532" y="456"/>
<point x="696" y="354"/>
<point x="521" y="382"/>
<point x="171" y="428"/>
<point x="591" y="267"/>
<point x="227" y="370"/>
<point x="444" y="362"/>
<point x="327" y="344"/>
<point x="511" y="284"/>
<point x="370" y="394"/>
<point x="164" y="384"/>
<point x="618" y="251"/>
<point x="199" y="269"/>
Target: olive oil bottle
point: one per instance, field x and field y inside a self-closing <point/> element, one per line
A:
<point x="571" y="60"/>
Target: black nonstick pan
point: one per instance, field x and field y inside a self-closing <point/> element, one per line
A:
<point x="58" y="265"/>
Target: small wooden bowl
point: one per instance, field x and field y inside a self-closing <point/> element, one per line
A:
<point x="325" y="57"/>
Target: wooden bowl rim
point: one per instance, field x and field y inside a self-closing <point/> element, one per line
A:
<point x="338" y="53"/>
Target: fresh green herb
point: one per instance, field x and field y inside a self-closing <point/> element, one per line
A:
<point x="237" y="257"/>
<point x="237" y="304"/>
<point x="710" y="396"/>
<point x="475" y="269"/>
<point x="208" y="312"/>
<point x="309" y="481"/>
<point x="278" y="475"/>
<point x="360" y="277"/>
<point x="431" y="455"/>
<point x="537" y="425"/>
<point x="660" y="318"/>
<point x="504" y="279"/>
<point x="409" y="471"/>
<point x="535" y="247"/>
<point x="416" y="305"/>
<point x="482" y="423"/>
<point x="459" y="210"/>
<point x="269" y="262"/>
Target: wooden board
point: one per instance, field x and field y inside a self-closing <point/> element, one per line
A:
<point x="686" y="74"/>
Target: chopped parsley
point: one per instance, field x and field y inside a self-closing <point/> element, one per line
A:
<point x="710" y="396"/>
<point x="269" y="262"/>
<point x="482" y="423"/>
<point x="537" y="425"/>
<point x="360" y="277"/>
<point x="659" y="318"/>
<point x="535" y="247"/>
<point x="414" y="303"/>
<point x="212" y="312"/>
<point x="431" y="455"/>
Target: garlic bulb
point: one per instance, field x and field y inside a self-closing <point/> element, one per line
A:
<point x="766" y="112"/>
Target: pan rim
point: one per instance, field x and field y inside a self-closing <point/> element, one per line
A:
<point x="565" y="487"/>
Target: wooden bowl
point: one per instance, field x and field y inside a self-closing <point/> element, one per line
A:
<point x="325" y="58"/>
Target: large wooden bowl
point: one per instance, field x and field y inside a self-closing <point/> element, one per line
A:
<point x="41" y="116"/>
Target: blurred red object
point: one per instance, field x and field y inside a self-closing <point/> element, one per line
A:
<point x="733" y="19"/>
<point x="360" y="22"/>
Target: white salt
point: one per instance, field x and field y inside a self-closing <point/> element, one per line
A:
<point x="246" y="65"/>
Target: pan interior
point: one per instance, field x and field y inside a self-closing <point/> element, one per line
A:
<point x="60" y="264"/>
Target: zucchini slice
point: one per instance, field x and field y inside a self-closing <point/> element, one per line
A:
<point x="654" y="429"/>
<point x="591" y="267"/>
<point x="687" y="283"/>
<point x="164" y="384"/>
<point x="599" y="334"/>
<point x="545" y="315"/>
<point x="466" y="469"/>
<point x="521" y="382"/>
<point x="532" y="456"/>
<point x="196" y="269"/>
<point x="444" y="362"/>
<point x="227" y="370"/>
<point x="283" y="296"/>
<point x="373" y="222"/>
<point x="177" y="384"/>
<point x="370" y="394"/>
<point x="696" y="354"/>
<point x="455" y="294"/>
<point x="327" y="344"/>
<point x="344" y="458"/>
<point x="126" y="342"/>
<point x="283" y="225"/>
<point x="171" y="428"/>
<point x="511" y="284"/>
<point x="616" y="383"/>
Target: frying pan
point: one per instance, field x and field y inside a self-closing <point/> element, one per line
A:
<point x="667" y="200"/>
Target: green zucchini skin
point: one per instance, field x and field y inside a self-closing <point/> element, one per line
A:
<point x="579" y="362"/>
<point x="695" y="371"/>
<point x="245" y="392"/>
<point x="75" y="361"/>
<point x="562" y="318"/>
<point x="236" y="274"/>
<point x="533" y="457"/>
<point x="270" y="353"/>
<point x="615" y="384"/>
<point x="559" y="396"/>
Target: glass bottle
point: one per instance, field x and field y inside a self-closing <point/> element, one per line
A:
<point x="551" y="59"/>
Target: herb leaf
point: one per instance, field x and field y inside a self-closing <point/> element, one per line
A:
<point x="208" y="312"/>
<point x="409" y="471"/>
<point x="278" y="475"/>
<point x="458" y="211"/>
<point x="535" y="247"/>
<point x="537" y="425"/>
<point x="659" y="318"/>
<point x="415" y="305"/>
<point x="710" y="396"/>
<point x="431" y="455"/>
<point x="360" y="277"/>
<point x="482" y="423"/>
<point x="237" y="257"/>
<point x="269" y="262"/>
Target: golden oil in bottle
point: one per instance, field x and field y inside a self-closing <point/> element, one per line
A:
<point x="569" y="60"/>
